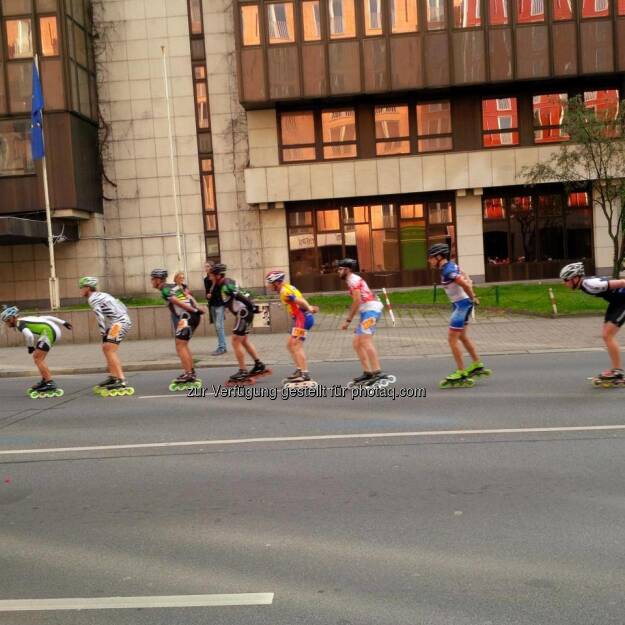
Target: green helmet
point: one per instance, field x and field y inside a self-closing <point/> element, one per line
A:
<point x="88" y="281"/>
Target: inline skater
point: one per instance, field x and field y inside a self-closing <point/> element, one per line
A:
<point x="242" y="307"/>
<point x="303" y="320"/>
<point x="366" y="304"/>
<point x="40" y="334"/>
<point x="459" y="289"/>
<point x="186" y="317"/>
<point x="114" y="323"/>
<point x="613" y="292"/>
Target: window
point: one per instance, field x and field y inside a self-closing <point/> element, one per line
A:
<point x="578" y="226"/>
<point x="498" y="12"/>
<point x="201" y="105"/>
<point x="373" y="17"/>
<point x="499" y="115"/>
<point x="49" y="36"/>
<point x="434" y="127"/>
<point x="298" y="132"/>
<point x="15" y="154"/>
<point x="530" y="11"/>
<point x="548" y="115"/>
<point x="20" y="86"/>
<point x="436" y="18"/>
<point x="339" y="133"/>
<point x="495" y="231"/>
<point x="312" y="20"/>
<point x="302" y="250"/>
<point x="522" y="230"/>
<point x="550" y="227"/>
<point x="250" y="32"/>
<point x="595" y="8"/>
<point x="208" y="203"/>
<point x="19" y="38"/>
<point x="16" y="7"/>
<point x="342" y="19"/>
<point x="280" y="22"/>
<point x="404" y="16"/>
<point x="621" y="7"/>
<point x="467" y="13"/>
<point x="195" y="16"/>
<point x="45" y="6"/>
<point x="605" y="103"/>
<point x="412" y="237"/>
<point x="392" y="130"/>
<point x="562" y="10"/>
<point x="441" y="227"/>
<point x="329" y="239"/>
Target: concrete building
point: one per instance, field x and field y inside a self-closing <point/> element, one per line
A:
<point x="303" y="131"/>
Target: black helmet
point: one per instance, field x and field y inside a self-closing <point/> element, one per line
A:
<point x="219" y="269"/>
<point x="159" y="273"/>
<point x="349" y="263"/>
<point x="439" y="249"/>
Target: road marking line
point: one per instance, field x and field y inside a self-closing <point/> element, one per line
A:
<point x="118" y="603"/>
<point x="172" y="394"/>
<point x="321" y="437"/>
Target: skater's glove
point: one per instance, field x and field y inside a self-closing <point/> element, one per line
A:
<point x="31" y="350"/>
<point x="68" y="325"/>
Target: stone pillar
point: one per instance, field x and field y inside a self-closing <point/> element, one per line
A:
<point x="604" y="248"/>
<point x="470" y="235"/>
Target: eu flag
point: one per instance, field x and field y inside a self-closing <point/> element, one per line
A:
<point x="36" y="121"/>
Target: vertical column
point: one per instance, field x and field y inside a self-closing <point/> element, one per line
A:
<point x="470" y="233"/>
<point x="603" y="247"/>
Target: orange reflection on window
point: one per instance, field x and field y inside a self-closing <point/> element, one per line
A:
<point x="298" y="128"/>
<point x="530" y="11"/>
<point x="562" y="10"/>
<point x="498" y="12"/>
<point x="280" y="22"/>
<point x="342" y="19"/>
<point x="605" y="103"/>
<point x="49" y="36"/>
<point x="404" y="16"/>
<point x="467" y="13"/>
<point x="494" y="208"/>
<point x="311" y="18"/>
<point x="595" y="8"/>
<point x="250" y="32"/>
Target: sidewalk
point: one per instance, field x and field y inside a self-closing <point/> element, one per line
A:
<point x="420" y="334"/>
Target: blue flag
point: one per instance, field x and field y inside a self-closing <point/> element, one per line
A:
<point x="36" y="121"/>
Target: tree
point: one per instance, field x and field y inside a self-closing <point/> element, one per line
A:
<point x="595" y="152"/>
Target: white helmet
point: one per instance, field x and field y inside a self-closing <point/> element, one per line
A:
<point x="571" y="271"/>
<point x="8" y="312"/>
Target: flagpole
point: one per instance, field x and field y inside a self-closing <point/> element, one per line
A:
<point x="55" y="302"/>
<point x="174" y="182"/>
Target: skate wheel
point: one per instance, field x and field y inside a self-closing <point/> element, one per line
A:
<point x="391" y="378"/>
<point x="173" y="387"/>
<point x="104" y="392"/>
<point x="468" y="383"/>
<point x="96" y="389"/>
<point x="197" y="384"/>
<point x="382" y="383"/>
<point x="130" y="391"/>
<point x="113" y="392"/>
<point x="606" y="384"/>
<point x="33" y="394"/>
<point x="59" y="392"/>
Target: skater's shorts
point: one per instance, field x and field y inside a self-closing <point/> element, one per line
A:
<point x="117" y="332"/>
<point x="187" y="323"/>
<point x="243" y="322"/>
<point x="368" y="321"/>
<point x="615" y="314"/>
<point x="46" y="339"/>
<point x="460" y="312"/>
<point x="301" y="324"/>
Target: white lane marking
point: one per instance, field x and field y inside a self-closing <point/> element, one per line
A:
<point x="321" y="437"/>
<point x="171" y="395"/>
<point x="118" y="603"/>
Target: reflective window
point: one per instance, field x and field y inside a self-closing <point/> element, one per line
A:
<point x="595" y="8"/>
<point x="621" y="7"/>
<point x="495" y="231"/>
<point x="15" y="154"/>
<point x="49" y="36"/>
<point x="605" y="103"/>
<point x="311" y="18"/>
<point x="494" y="209"/>
<point x="392" y="130"/>
<point x="250" y="31"/>
<point x="467" y="13"/>
<point x="19" y="38"/>
<point x="298" y="131"/>
<point x="372" y="10"/>
<point x="339" y="133"/>
<point x="412" y="237"/>
<point x="342" y="19"/>
<point x="498" y="12"/>
<point x="212" y="247"/>
<point x="302" y="250"/>
<point x="201" y="105"/>
<point x="195" y="16"/>
<point x="434" y="126"/>
<point x="441" y="228"/>
<point x="548" y="113"/>
<point x="562" y="9"/>
<point x="579" y="226"/>
<point x="436" y="17"/>
<point x="16" y="7"/>
<point x="530" y="11"/>
<point x="404" y="16"/>
<point x="280" y="22"/>
<point x="550" y="227"/>
<point x="46" y="6"/>
<point x="500" y="122"/>
<point x="20" y="77"/>
<point x="81" y="45"/>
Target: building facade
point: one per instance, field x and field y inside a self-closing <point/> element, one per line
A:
<point x="302" y="131"/>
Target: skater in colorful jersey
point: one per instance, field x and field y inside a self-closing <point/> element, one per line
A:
<point x="613" y="292"/>
<point x="186" y="317"/>
<point x="369" y="308"/>
<point x="40" y="334"/>
<point x="460" y="292"/>
<point x="114" y="323"/>
<point x="242" y="307"/>
<point x="303" y="320"/>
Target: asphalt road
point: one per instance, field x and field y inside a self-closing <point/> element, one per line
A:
<point x="399" y="516"/>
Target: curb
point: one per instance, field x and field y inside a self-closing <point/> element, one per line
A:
<point x="163" y="365"/>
